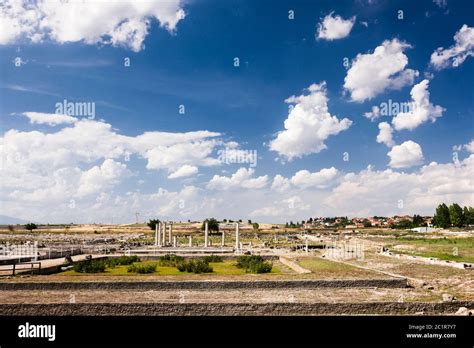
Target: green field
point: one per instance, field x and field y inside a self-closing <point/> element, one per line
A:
<point x="226" y="267"/>
<point x="452" y="249"/>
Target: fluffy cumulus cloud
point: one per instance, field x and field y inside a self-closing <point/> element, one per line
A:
<point x="88" y="156"/>
<point x="308" y="125"/>
<point x="405" y="155"/>
<point x="102" y="177"/>
<point x="372" y="192"/>
<point x="469" y="146"/>
<point x="305" y="179"/>
<point x="242" y="178"/>
<point x="321" y="179"/>
<point x="280" y="183"/>
<point x="373" y="114"/>
<point x="334" y="27"/>
<point x="372" y="73"/>
<point x="49" y="119"/>
<point x="362" y="193"/>
<point x="122" y="23"/>
<point x="184" y="171"/>
<point x="385" y="135"/>
<point x="421" y="109"/>
<point x="455" y="55"/>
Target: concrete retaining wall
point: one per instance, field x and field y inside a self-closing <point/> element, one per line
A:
<point x="208" y="285"/>
<point x="230" y="309"/>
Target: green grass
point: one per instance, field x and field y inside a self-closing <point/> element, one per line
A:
<point x="452" y="249"/>
<point x="438" y="255"/>
<point x="227" y="267"/>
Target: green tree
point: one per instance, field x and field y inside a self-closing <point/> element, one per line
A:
<point x="212" y="223"/>
<point x="367" y="223"/>
<point x="468" y="216"/>
<point x="417" y="221"/>
<point x="152" y="223"/>
<point x="441" y="217"/>
<point x="30" y="226"/>
<point x="404" y="224"/>
<point x="456" y="215"/>
<point x="255" y="226"/>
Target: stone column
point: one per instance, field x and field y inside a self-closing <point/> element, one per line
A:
<point x="190" y="241"/>
<point x="170" y="233"/>
<point x="306" y="245"/>
<point x="159" y="235"/>
<point x="164" y="233"/>
<point x="206" y="235"/>
<point x="223" y="239"/>
<point x="175" y="243"/>
<point x="237" y="240"/>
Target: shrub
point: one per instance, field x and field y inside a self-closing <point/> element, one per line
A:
<point x="90" y="266"/>
<point x="194" y="266"/>
<point x="122" y="261"/>
<point x="170" y="260"/>
<point x="254" y="264"/>
<point x="31" y="226"/>
<point x="212" y="224"/>
<point x="212" y="258"/>
<point x="152" y="223"/>
<point x="137" y="268"/>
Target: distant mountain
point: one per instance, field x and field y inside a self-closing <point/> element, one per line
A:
<point x="8" y="220"/>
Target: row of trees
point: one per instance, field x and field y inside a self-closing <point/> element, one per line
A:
<point x="453" y="215"/>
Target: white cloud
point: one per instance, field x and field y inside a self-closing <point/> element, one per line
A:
<point x="321" y="179"/>
<point x="373" y="114"/>
<point x="308" y="125"/>
<point x="99" y="178"/>
<point x="469" y="146"/>
<point x="63" y="165"/>
<point x="335" y="27"/>
<point x="120" y="23"/>
<point x="79" y="143"/>
<point x="49" y="119"/>
<point x="372" y="192"/>
<point x="421" y="109"/>
<point x="304" y="179"/>
<point x="406" y="155"/>
<point x="287" y="207"/>
<point x="242" y="178"/>
<point x="367" y="192"/>
<point x="280" y="183"/>
<point x="385" y="134"/>
<point x="185" y="171"/>
<point x="456" y="54"/>
<point x="372" y="73"/>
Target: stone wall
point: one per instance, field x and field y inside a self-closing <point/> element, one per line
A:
<point x="230" y="309"/>
<point x="207" y="285"/>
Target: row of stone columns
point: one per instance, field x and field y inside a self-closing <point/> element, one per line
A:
<point x="160" y="236"/>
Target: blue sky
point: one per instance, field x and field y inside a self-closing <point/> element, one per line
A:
<point x="192" y="64"/>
